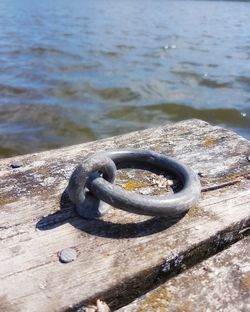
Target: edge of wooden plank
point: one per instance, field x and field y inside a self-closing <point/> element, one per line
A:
<point x="220" y="283"/>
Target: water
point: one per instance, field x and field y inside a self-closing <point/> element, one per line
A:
<point x="80" y="70"/>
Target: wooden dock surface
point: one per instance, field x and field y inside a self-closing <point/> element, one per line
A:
<point x="121" y="256"/>
<point x="221" y="283"/>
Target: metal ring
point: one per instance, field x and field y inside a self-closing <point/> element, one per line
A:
<point x="143" y="204"/>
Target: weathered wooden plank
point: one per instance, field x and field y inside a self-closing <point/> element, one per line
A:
<point x="122" y="255"/>
<point x="221" y="283"/>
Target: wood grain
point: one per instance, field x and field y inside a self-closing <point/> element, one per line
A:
<point x="221" y="283"/>
<point x="123" y="255"/>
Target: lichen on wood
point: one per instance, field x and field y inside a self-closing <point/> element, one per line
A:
<point x="222" y="281"/>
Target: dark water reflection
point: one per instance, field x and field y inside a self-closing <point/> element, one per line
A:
<point x="74" y="71"/>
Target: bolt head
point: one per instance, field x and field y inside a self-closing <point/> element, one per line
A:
<point x="68" y="255"/>
<point x="16" y="164"/>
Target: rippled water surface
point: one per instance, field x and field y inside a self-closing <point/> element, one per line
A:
<point x="80" y="70"/>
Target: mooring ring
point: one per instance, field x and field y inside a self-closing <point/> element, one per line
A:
<point x="162" y="205"/>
